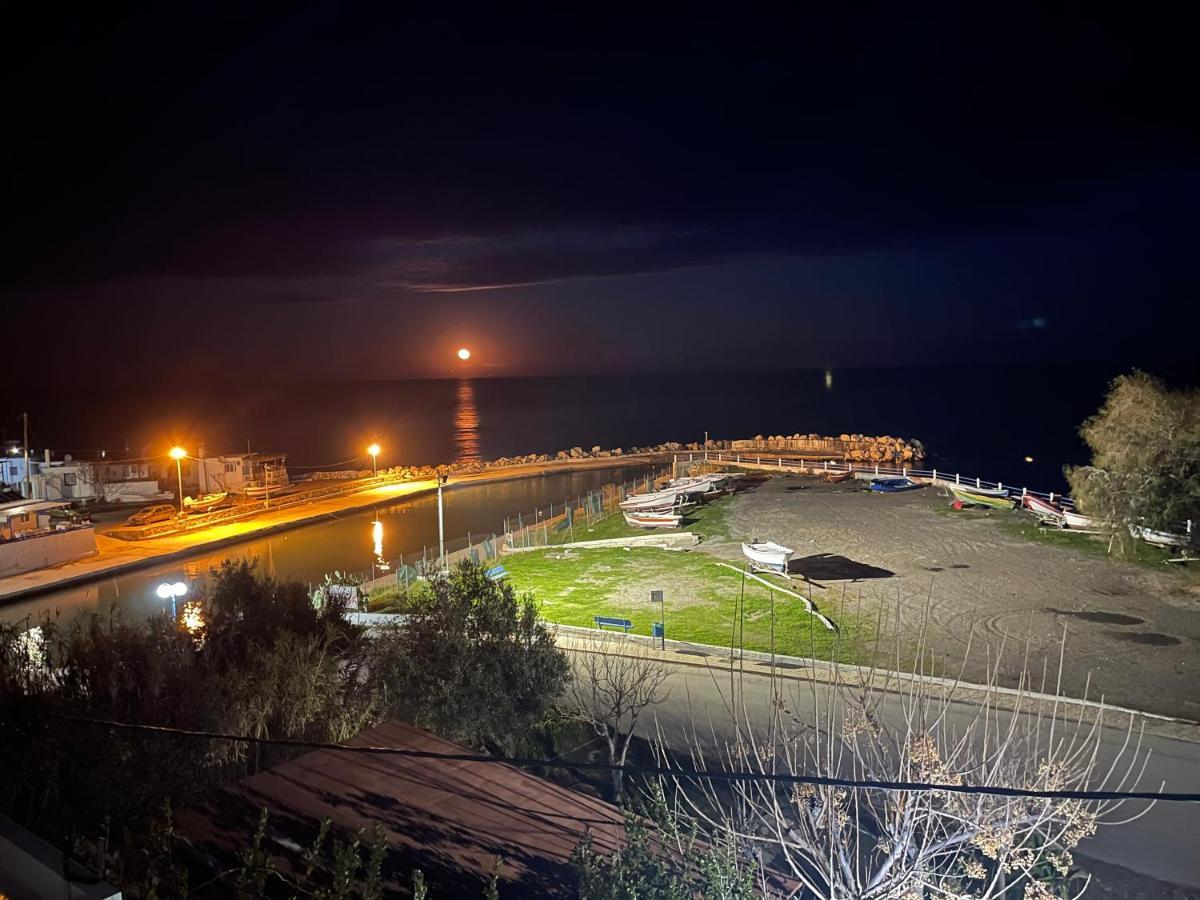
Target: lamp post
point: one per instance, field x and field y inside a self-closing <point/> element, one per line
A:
<point x="172" y="592"/>
<point x="441" y="480"/>
<point x="177" y="454"/>
<point x="373" y="450"/>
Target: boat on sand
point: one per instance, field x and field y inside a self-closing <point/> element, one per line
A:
<point x="1080" y="522"/>
<point x="971" y="498"/>
<point x="1160" y="538"/>
<point x="894" y="485"/>
<point x="652" y="518"/>
<point x="1043" y="508"/>
<point x="768" y="555"/>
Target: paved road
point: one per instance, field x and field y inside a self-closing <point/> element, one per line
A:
<point x="1161" y="844"/>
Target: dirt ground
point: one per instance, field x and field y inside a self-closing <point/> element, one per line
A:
<point x="1132" y="629"/>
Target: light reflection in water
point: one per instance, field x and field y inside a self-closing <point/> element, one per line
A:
<point x="466" y="423"/>
<point x="377" y="545"/>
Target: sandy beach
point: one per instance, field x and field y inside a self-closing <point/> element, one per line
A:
<point x="1131" y="629"/>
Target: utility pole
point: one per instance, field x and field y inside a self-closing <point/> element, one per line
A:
<point x="26" y="486"/>
<point x="441" y="523"/>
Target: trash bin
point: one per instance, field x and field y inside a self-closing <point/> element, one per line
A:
<point x="657" y="630"/>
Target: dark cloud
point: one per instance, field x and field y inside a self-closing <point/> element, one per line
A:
<point x="309" y="156"/>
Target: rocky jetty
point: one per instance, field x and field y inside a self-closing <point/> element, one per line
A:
<point x="848" y="447"/>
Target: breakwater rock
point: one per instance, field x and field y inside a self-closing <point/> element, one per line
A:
<point x="851" y="447"/>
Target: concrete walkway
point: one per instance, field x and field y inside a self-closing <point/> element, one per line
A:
<point x="116" y="556"/>
<point x="1159" y="845"/>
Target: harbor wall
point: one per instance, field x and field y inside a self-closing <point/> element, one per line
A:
<point x="52" y="549"/>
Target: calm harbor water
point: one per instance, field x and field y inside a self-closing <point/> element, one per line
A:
<point x="350" y="542"/>
<point x="977" y="420"/>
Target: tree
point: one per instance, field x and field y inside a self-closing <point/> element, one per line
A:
<point x="471" y="661"/>
<point x="1145" y="469"/>
<point x="610" y="687"/>
<point x="879" y="843"/>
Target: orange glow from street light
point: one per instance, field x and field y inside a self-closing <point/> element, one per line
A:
<point x="464" y="354"/>
<point x="374" y="449"/>
<point x="177" y="453"/>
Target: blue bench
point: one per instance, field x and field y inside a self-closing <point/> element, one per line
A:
<point x="601" y="621"/>
<point x="496" y="573"/>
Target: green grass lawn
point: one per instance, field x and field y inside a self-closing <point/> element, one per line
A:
<point x="701" y="599"/>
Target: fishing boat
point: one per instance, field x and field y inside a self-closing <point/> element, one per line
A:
<point x="835" y="477"/>
<point x="1080" y="522"/>
<point x="1160" y="538"/>
<point x="652" y="518"/>
<point x="1043" y="508"/>
<point x="894" y="485"/>
<point x="205" y="502"/>
<point x="970" y="498"/>
<point x="768" y="555"/>
<point x="690" y="486"/>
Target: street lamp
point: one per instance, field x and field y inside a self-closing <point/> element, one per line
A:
<point x="374" y="451"/>
<point x="171" y="592"/>
<point x="177" y="454"/>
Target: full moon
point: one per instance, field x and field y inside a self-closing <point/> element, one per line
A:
<point x="464" y="353"/>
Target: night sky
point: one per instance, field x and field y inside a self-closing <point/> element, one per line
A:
<point x="311" y="191"/>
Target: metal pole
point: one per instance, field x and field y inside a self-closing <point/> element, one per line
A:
<point x="441" y="523"/>
<point x="26" y="484"/>
<point x="179" y="472"/>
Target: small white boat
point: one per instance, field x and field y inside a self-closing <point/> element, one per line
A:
<point x="690" y="486"/>
<point x="652" y="518"/>
<point x="768" y="555"/>
<point x="205" y="502"/>
<point x="654" y="500"/>
<point x="1159" y="538"/>
<point x="1080" y="522"/>
<point x="1043" y="508"/>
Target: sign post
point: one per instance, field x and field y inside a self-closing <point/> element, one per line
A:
<point x="657" y="597"/>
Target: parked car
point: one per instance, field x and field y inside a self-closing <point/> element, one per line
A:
<point x="149" y="515"/>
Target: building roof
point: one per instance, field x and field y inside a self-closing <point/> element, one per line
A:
<point x="24" y="507"/>
<point x="451" y="819"/>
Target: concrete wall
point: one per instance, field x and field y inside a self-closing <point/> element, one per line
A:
<point x="48" y="550"/>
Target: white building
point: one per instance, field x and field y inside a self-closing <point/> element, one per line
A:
<point x="84" y="481"/>
<point x="237" y="473"/>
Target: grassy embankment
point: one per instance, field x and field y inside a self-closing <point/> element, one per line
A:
<point x="702" y="597"/>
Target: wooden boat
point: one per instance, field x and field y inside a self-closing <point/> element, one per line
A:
<point x="1043" y="508"/>
<point x="652" y="518"/>
<point x="970" y="498"/>
<point x="1080" y="522"/>
<point x="690" y="486"/>
<point x="836" y="477"/>
<point x="768" y="555"/>
<point x="1160" y="538"/>
<point x="205" y="502"/>
<point x="894" y="485"/>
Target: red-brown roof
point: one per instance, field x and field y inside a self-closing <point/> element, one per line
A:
<point x="449" y="818"/>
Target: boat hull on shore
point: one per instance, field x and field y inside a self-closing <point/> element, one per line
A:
<point x="652" y="518"/>
<point x="768" y="555"/>
<point x="894" y="485"/>
<point x="970" y="498"/>
<point x="1043" y="508"/>
<point x="1079" y="522"/>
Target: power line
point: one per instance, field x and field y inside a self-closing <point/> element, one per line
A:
<point x="661" y="771"/>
